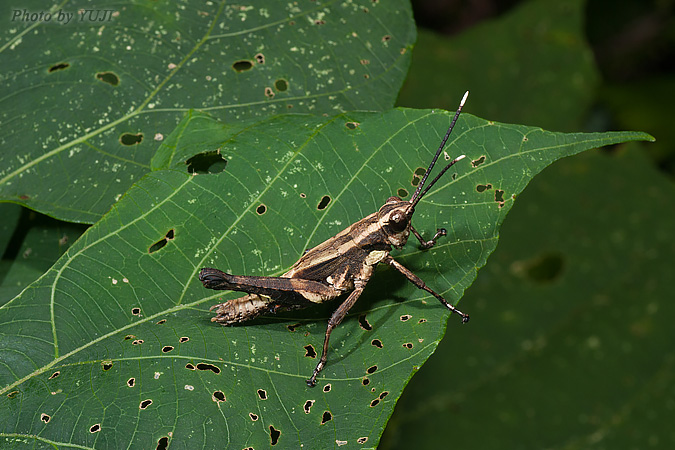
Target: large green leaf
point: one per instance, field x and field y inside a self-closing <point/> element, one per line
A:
<point x="84" y="105"/>
<point x="113" y="346"/>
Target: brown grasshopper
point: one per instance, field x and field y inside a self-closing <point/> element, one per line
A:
<point x="339" y="265"/>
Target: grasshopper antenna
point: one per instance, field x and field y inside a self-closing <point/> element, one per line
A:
<point x="419" y="193"/>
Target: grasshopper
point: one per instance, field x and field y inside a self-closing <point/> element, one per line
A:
<point x="342" y="264"/>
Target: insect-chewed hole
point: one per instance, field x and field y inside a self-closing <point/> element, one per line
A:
<point x="161" y="322"/>
<point x="327" y="387"/>
<point x="281" y="85"/>
<point x="274" y="435"/>
<point x="183" y="339"/>
<point x="325" y="200"/>
<point x="162" y="443"/>
<point x="371" y="370"/>
<point x="54" y="375"/>
<point x="478" y="162"/>
<point x="364" y="324"/>
<point x="254" y="417"/>
<point x="162" y="242"/>
<point x="136" y="311"/>
<point x="327" y="416"/>
<point x="218" y="396"/>
<point x="144" y="404"/>
<point x="375" y="402"/>
<point x="242" y="65"/>
<point x="320" y="22"/>
<point x="405" y="317"/>
<point x="386" y="38"/>
<point x="137" y="342"/>
<point x="483" y="187"/>
<point x="45" y="417"/>
<point x="376" y="343"/>
<point x="206" y="366"/>
<point x="131" y="382"/>
<point x="190" y="366"/>
<point x="12" y="394"/>
<point x="365" y="381"/>
<point x="95" y="428"/>
<point x="106" y="365"/>
<point x="308" y="406"/>
<point x="402" y="193"/>
<point x="303" y="195"/>
<point x="260" y="58"/>
<point x="262" y="393"/>
<point x="206" y="163"/>
<point x="310" y="352"/>
<point x="57" y="67"/>
<point x="269" y="92"/>
<point x="108" y="77"/>
<point x="167" y="348"/>
<point x="408" y="345"/>
<point x="422" y="321"/>
<point x="352" y="125"/>
<point x="383" y="395"/>
<point x="362" y="440"/>
<point x="131" y="139"/>
<point x="292" y="327"/>
<point x="499" y="196"/>
<point x="262" y="209"/>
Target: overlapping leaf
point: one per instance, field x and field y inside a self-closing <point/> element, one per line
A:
<point x="85" y="104"/>
<point x="113" y="346"/>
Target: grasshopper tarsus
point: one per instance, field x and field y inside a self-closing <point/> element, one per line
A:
<point x="342" y="264"/>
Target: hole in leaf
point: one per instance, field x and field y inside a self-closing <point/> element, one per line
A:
<point x="190" y="366"/>
<point x="310" y="352"/>
<point x="262" y="394"/>
<point x="303" y="195"/>
<point x="242" y="66"/>
<point x="108" y="77"/>
<point x="371" y="370"/>
<point x="325" y="200"/>
<point x="420" y="171"/>
<point x="327" y="416"/>
<point x="320" y="22"/>
<point x="137" y="342"/>
<point x="260" y="58"/>
<point x="365" y="381"/>
<point x="376" y="343"/>
<point x="478" y="162"/>
<point x="421" y="320"/>
<point x="161" y="243"/>
<point x="129" y="336"/>
<point x="269" y="92"/>
<point x="274" y="435"/>
<point x="262" y="209"/>
<point x="12" y="394"/>
<point x="131" y="382"/>
<point x="254" y="417"/>
<point x="95" y="428"/>
<point x="281" y="85"/>
<point x="362" y="440"/>
<point x="375" y="402"/>
<point x="292" y="328"/>
<point x="211" y="367"/>
<point x="183" y="339"/>
<point x="327" y="387"/>
<point x="383" y="395"/>
<point x="483" y="187"/>
<point x="131" y="139"/>
<point x="136" y="311"/>
<point x="59" y="66"/>
<point x="218" y="396"/>
<point x="402" y="193"/>
<point x="405" y="317"/>
<point x="386" y="38"/>
<point x="161" y="321"/>
<point x="364" y="324"/>
<point x="352" y="125"/>
<point x="162" y="443"/>
<point x="45" y="417"/>
<point x="106" y="365"/>
<point x="144" y="404"/>
<point x="54" y="375"/>
<point x="167" y="348"/>
<point x="408" y="345"/>
<point x="308" y="406"/>
<point x="206" y="163"/>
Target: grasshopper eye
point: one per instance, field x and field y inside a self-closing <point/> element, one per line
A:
<point x="398" y="222"/>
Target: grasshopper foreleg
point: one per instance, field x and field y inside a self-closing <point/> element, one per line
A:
<point x="333" y="322"/>
<point x="417" y="281"/>
<point x="430" y="243"/>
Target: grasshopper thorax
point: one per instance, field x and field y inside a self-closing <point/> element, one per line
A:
<point x="394" y="219"/>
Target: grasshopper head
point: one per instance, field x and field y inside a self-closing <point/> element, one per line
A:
<point x="394" y="218"/>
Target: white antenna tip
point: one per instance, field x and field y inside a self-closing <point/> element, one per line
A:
<point x="460" y="157"/>
<point x="466" y="94"/>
